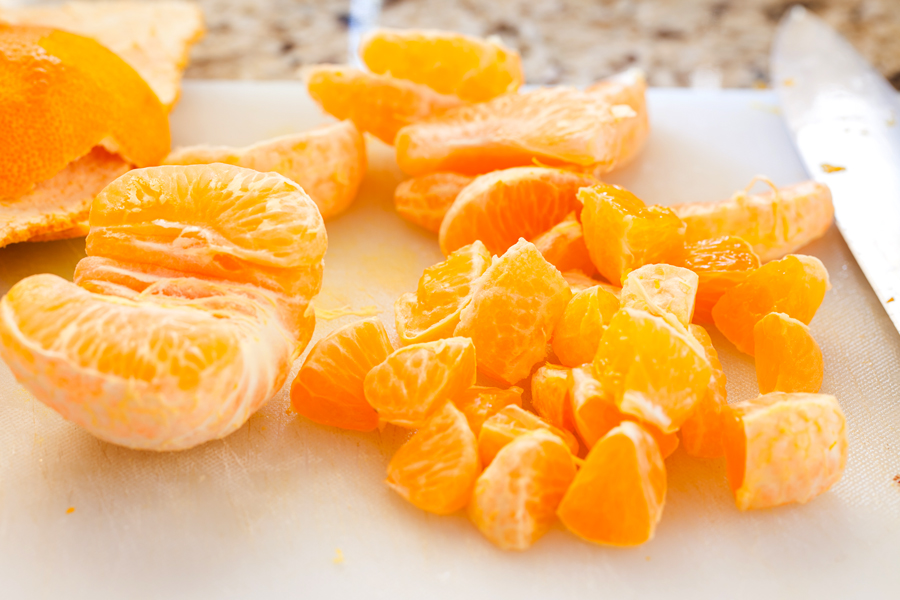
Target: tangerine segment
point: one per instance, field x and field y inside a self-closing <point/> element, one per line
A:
<point x="503" y="206"/>
<point x="701" y="433"/>
<point x="555" y="125"/>
<point x="794" y="285"/>
<point x="436" y="469"/>
<point x="550" y="395"/>
<point x="516" y="497"/>
<point x="617" y="497"/>
<point x="449" y="63"/>
<point x="720" y="264"/>
<point x="784" y="448"/>
<point x="414" y="382"/>
<point x="578" y="281"/>
<point x="563" y="246"/>
<point x="157" y="372"/>
<point x="424" y="200"/>
<point x="788" y="359"/>
<point x="377" y="104"/>
<point x="514" y="308"/>
<point x="661" y="289"/>
<point x="444" y="290"/>
<point x="511" y="422"/>
<point x="577" y="335"/>
<point x="595" y="414"/>
<point x="216" y="221"/>
<point x="655" y="371"/>
<point x="481" y="403"/>
<point x="328" y="162"/>
<point x="622" y="233"/>
<point x="774" y="223"/>
<point x="328" y="388"/>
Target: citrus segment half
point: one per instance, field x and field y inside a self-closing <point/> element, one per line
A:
<point x="788" y="359"/>
<point x="480" y="403"/>
<point x="550" y="395"/>
<point x="424" y="200"/>
<point x="563" y="246"/>
<point x="578" y="332"/>
<point x="720" y="264"/>
<point x="701" y="433"/>
<point x="661" y="289"/>
<point x="509" y="423"/>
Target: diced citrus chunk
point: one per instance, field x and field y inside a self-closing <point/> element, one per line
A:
<point x="480" y="403"/>
<point x="788" y="359"/>
<point x="550" y="395"/>
<point x="701" y="433"/>
<point x="720" y="264"/>
<point x="578" y="333"/>
<point x="509" y="423"/>
<point x="563" y="246"/>
<point x="426" y="199"/>
<point x="660" y="289"/>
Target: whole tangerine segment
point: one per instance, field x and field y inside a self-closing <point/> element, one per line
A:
<point x="480" y="403"/>
<point x="328" y="162"/>
<point x="550" y="395"/>
<point x="623" y="234"/>
<point x="794" y="285"/>
<point x="555" y="125"/>
<point x="653" y="370"/>
<point x="563" y="246"/>
<point x="617" y="497"/>
<point x="433" y="311"/>
<point x="329" y="389"/>
<point x="377" y="104"/>
<point x="516" y="497"/>
<point x="775" y="223"/>
<point x="414" y="382"/>
<point x="783" y="448"/>
<point x="720" y="264"/>
<point x="788" y="359"/>
<point x="450" y="63"/>
<point x="424" y="200"/>
<point x="514" y="308"/>
<point x="661" y="289"/>
<point x="500" y="207"/>
<point x="701" y="433"/>
<point x="511" y="422"/>
<point x="577" y="335"/>
<point x="437" y="468"/>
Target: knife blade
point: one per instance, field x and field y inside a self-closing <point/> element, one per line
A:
<point x="842" y="115"/>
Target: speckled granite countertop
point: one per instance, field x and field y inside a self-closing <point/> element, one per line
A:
<point x="705" y="43"/>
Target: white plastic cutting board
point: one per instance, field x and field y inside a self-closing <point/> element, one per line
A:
<point x="268" y="511"/>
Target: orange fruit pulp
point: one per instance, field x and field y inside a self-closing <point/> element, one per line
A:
<point x="577" y="335"/>
<point x="720" y="264"/>
<point x="701" y="433"/>
<point x="424" y="200"/>
<point x="788" y="359"/>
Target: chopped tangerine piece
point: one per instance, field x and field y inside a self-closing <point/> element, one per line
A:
<point x="436" y="469"/>
<point x="448" y="62"/>
<point x="617" y="497"/>
<point x="550" y="395"/>
<point x="509" y="423"/>
<point x="794" y="285"/>
<point x="432" y="312"/>
<point x="514" y="308"/>
<point x="328" y="388"/>
<point x="577" y="335"/>
<point x="426" y="199"/>
<point x="774" y="223"/>
<point x="655" y="371"/>
<point x="414" y="382"/>
<point x="578" y="282"/>
<point x="784" y="448"/>
<point x="720" y="264"/>
<point x="701" y="433"/>
<point x="563" y="246"/>
<point x="622" y="233"/>
<point x="555" y="125"/>
<point x="481" y="403"/>
<point x="328" y="162"/>
<point x="516" y="497"/>
<point x="788" y="359"/>
<point x="660" y="289"/>
<point x="378" y="104"/>
<point x="503" y="206"/>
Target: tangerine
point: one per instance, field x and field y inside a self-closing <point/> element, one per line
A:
<point x="701" y="433"/>
<point x="563" y="246"/>
<point x="788" y="359"/>
<point x="577" y="335"/>
<point x="550" y="395"/>
<point x="510" y="422"/>
<point x="424" y="200"/>
<point x="720" y="264"/>
<point x="480" y="403"/>
<point x="661" y="289"/>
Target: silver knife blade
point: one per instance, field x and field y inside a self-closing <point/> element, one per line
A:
<point x="843" y="116"/>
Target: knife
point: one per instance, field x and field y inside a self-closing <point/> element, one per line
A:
<point x="843" y="117"/>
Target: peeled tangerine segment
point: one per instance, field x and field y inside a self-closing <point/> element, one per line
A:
<point x="578" y="333"/>
<point x="436" y="469"/>
<point x="503" y="206"/>
<point x="794" y="285"/>
<point x="654" y="370"/>
<point x="413" y="382"/>
<point x="328" y="388"/>
<point x="509" y="423"/>
<point x="701" y="433"/>
<point x="157" y="372"/>
<point x="479" y="403"/>
<point x="784" y="448"/>
<point x="550" y="395"/>
<point x="514" y="308"/>
<point x="449" y="63"/>
<point x="660" y="289"/>
<point x="622" y="233"/>
<point x="424" y="200"/>
<point x="788" y="359"/>
<point x="617" y="497"/>
<point x="563" y="246"/>
<point x="432" y="312"/>
<point x="720" y="264"/>
<point x="578" y="282"/>
<point x="516" y="497"/>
